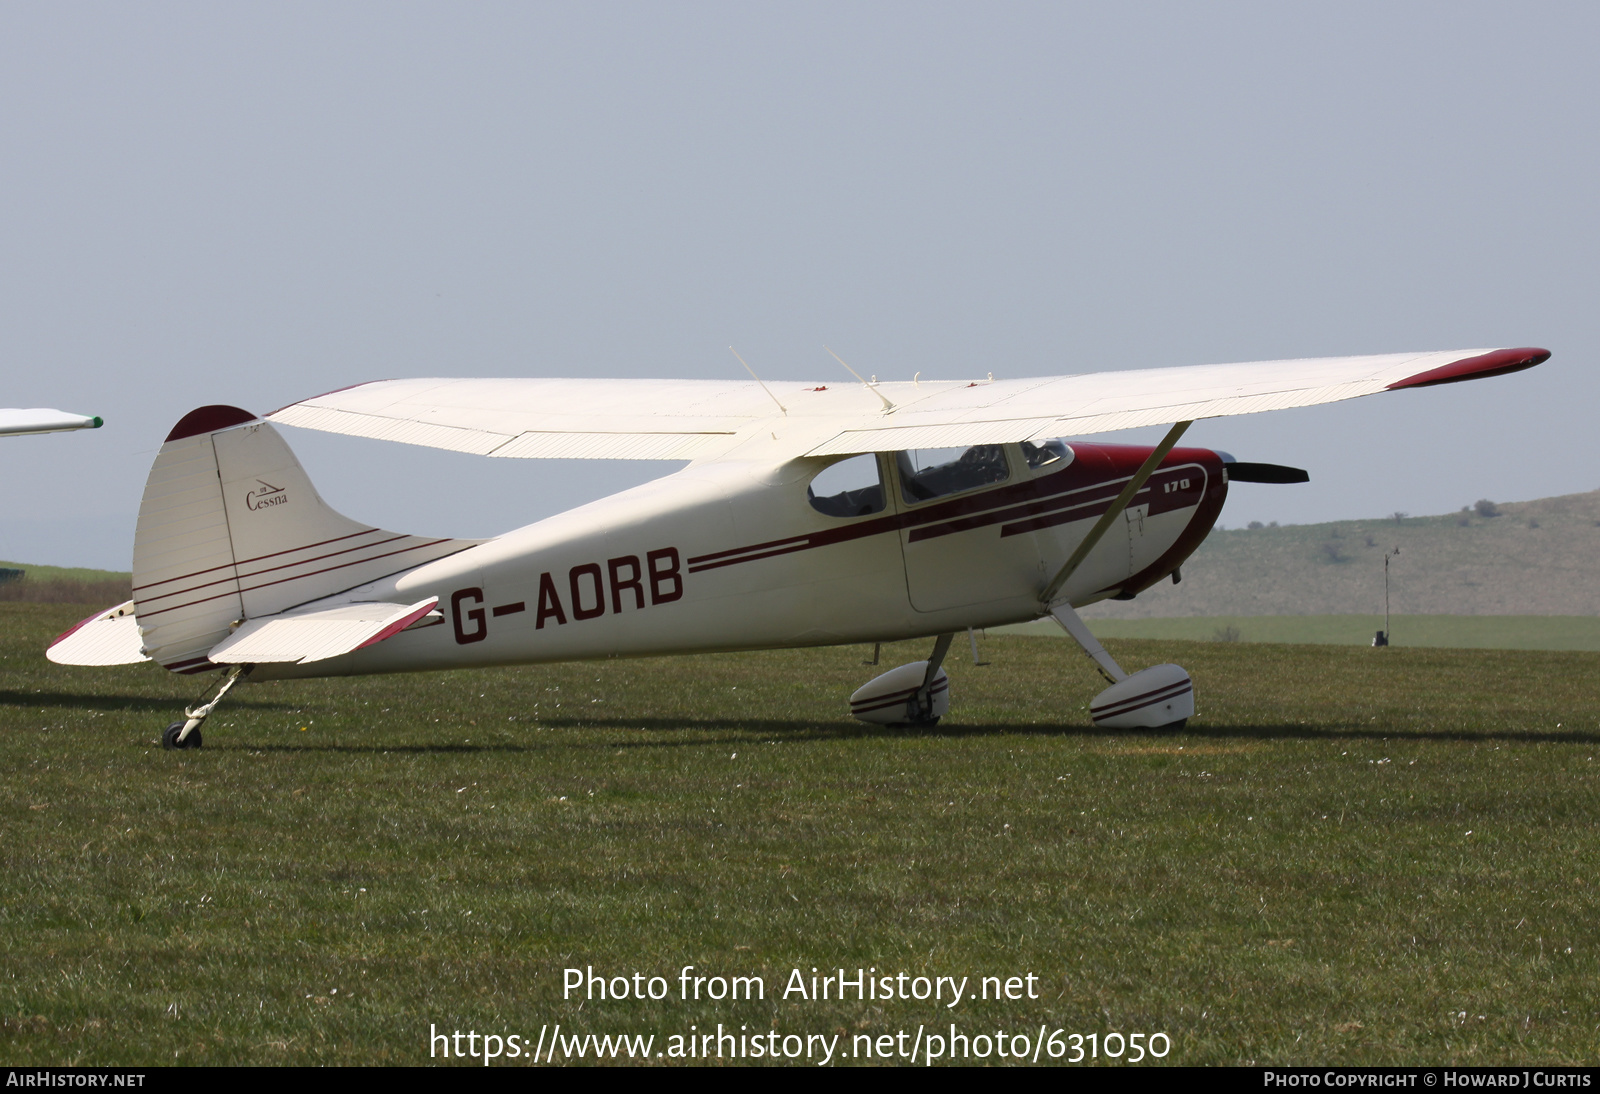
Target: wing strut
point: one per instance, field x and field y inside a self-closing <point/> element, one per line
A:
<point x="1135" y="484"/>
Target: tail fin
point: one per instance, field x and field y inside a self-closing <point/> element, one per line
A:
<point x="230" y="528"/>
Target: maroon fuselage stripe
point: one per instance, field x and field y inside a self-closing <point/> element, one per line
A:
<point x="1099" y="471"/>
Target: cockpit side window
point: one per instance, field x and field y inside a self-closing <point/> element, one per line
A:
<point x="849" y="488"/>
<point x="927" y="473"/>
<point x="1045" y="453"/>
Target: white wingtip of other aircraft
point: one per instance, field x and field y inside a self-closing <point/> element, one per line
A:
<point x="17" y="423"/>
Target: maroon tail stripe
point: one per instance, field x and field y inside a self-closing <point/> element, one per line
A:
<point x="298" y="577"/>
<point x="274" y="569"/>
<point x="258" y="558"/>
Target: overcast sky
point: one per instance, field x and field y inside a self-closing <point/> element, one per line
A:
<point x="253" y="203"/>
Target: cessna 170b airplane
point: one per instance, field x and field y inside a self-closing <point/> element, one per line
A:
<point x="808" y="514"/>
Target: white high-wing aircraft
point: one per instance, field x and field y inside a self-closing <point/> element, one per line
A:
<point x="17" y="423"/>
<point x="808" y="515"/>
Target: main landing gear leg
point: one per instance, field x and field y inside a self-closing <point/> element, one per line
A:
<point x="186" y="734"/>
<point x="1160" y="697"/>
<point x="920" y="710"/>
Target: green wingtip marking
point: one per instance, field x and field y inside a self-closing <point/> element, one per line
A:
<point x="98" y="422"/>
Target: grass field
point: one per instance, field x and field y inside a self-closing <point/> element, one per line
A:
<point x="1348" y="856"/>
<point x="1503" y="632"/>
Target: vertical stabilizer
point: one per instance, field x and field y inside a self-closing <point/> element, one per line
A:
<point x="230" y="529"/>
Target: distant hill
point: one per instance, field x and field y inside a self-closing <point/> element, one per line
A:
<point x="33" y="572"/>
<point x="66" y="585"/>
<point x="1532" y="558"/>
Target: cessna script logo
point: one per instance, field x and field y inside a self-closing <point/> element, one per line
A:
<point x="266" y="494"/>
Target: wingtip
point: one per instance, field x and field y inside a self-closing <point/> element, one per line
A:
<point x="1495" y="363"/>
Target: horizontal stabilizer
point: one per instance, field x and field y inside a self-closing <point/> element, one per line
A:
<point x="299" y="637"/>
<point x="105" y="638"/>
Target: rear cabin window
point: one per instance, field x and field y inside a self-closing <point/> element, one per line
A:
<point x="927" y="473"/>
<point x="849" y="488"/>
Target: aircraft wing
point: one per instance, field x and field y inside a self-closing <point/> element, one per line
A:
<point x="707" y="419"/>
<point x="14" y="423"/>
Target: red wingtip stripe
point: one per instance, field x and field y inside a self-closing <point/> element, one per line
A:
<point x="401" y="624"/>
<point x="209" y="419"/>
<point x="74" y="629"/>
<point x="1498" y="363"/>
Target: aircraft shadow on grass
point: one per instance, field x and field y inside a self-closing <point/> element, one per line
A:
<point x="704" y="731"/>
<point x="141" y="703"/>
<point x="757" y="730"/>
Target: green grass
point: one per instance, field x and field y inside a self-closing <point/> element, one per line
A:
<point x="1347" y="857"/>
<point x="1504" y="632"/>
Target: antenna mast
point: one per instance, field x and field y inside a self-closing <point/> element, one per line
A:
<point x="757" y="379"/>
<point x="888" y="407"/>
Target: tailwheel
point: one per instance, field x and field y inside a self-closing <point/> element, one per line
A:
<point x="186" y="734"/>
<point x="174" y="737"/>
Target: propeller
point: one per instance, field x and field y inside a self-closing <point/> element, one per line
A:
<point x="1263" y="472"/>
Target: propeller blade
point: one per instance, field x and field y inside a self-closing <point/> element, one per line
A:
<point x="1264" y="472"/>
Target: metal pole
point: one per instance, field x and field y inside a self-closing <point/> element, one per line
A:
<point x="1387" y="637"/>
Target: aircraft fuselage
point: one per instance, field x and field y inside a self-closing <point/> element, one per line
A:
<point x="734" y="556"/>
